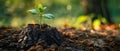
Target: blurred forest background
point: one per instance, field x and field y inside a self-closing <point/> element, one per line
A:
<point x="14" y="12"/>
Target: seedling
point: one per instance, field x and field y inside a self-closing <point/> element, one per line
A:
<point x="39" y="11"/>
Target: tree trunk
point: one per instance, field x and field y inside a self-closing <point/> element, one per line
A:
<point x="97" y="7"/>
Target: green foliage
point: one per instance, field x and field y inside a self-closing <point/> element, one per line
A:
<point x="80" y="20"/>
<point x="96" y="22"/>
<point x="104" y="20"/>
<point x="48" y="16"/>
<point x="39" y="10"/>
<point x="87" y="20"/>
<point x="33" y="11"/>
<point x="42" y="9"/>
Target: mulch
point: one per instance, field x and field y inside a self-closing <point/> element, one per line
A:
<point x="47" y="38"/>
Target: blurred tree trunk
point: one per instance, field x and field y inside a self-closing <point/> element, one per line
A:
<point x="2" y="7"/>
<point x="97" y="7"/>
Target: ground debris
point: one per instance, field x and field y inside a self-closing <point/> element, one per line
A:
<point x="97" y="42"/>
<point x="32" y="38"/>
<point x="33" y="34"/>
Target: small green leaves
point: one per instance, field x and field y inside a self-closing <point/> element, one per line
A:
<point x="104" y="20"/>
<point x="39" y="11"/>
<point x="97" y="23"/>
<point x="42" y="9"/>
<point x="33" y="11"/>
<point x="48" y="16"/>
<point x="80" y="20"/>
<point x="39" y="6"/>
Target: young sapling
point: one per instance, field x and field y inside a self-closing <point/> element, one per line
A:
<point x="39" y="11"/>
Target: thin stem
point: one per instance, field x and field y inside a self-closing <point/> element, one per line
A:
<point x="40" y="18"/>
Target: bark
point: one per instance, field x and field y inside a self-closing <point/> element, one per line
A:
<point x="97" y="7"/>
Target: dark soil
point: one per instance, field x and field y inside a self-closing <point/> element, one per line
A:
<point x="47" y="38"/>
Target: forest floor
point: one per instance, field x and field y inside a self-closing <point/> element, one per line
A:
<point x="74" y="40"/>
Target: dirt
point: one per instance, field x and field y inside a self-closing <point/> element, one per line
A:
<point x="47" y="38"/>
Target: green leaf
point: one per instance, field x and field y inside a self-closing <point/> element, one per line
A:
<point x="80" y="20"/>
<point x="48" y="16"/>
<point x="104" y="20"/>
<point x="39" y="6"/>
<point x="42" y="9"/>
<point x="33" y="11"/>
<point x="96" y="23"/>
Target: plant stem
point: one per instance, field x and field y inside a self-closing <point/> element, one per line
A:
<point x="40" y="18"/>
